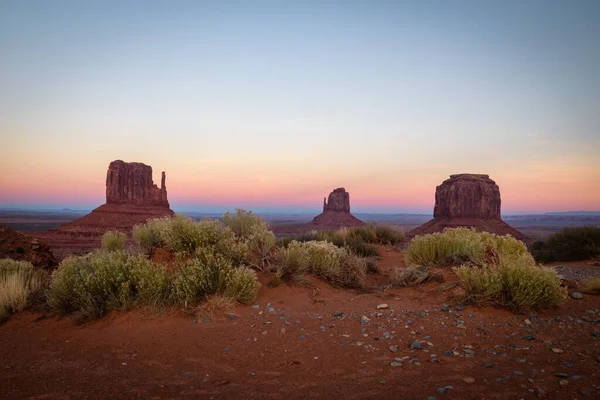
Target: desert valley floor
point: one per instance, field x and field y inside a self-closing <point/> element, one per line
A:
<point x="314" y="341"/>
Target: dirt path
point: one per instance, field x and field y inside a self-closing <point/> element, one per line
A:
<point x="299" y="343"/>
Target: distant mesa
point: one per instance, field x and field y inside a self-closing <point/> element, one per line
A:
<point x="336" y="212"/>
<point x="21" y="247"/>
<point x="470" y="200"/>
<point x="131" y="198"/>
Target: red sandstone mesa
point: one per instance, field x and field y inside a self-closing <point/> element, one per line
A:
<point x="131" y="198"/>
<point x="336" y="212"/>
<point x="471" y="200"/>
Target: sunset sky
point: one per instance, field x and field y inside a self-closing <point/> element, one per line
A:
<point x="271" y="105"/>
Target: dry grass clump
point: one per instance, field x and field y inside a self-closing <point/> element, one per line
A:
<point x="19" y="281"/>
<point x="411" y="276"/>
<point x="517" y="283"/>
<point x="458" y="245"/>
<point x="592" y="286"/>
<point x="216" y="306"/>
<point x="114" y="241"/>
<point x="324" y="260"/>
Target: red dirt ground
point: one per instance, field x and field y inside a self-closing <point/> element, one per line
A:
<point x="292" y="346"/>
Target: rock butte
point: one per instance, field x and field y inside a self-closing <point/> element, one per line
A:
<point x="470" y="200"/>
<point x="131" y="198"/>
<point x="336" y="212"/>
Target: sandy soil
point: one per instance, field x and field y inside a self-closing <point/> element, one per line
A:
<point x="310" y="342"/>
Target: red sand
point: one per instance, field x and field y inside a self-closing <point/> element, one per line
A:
<point x="140" y="354"/>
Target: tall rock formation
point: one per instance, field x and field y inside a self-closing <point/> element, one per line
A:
<point x="131" y="198"/>
<point x="470" y="200"/>
<point x="132" y="183"/>
<point x="336" y="212"/>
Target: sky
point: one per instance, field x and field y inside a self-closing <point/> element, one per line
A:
<point x="270" y="105"/>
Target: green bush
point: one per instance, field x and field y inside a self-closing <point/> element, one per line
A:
<point x="458" y="245"/>
<point x="323" y="259"/>
<point x="188" y="238"/>
<point x="114" y="241"/>
<point x="255" y="233"/>
<point x="570" y="244"/>
<point x="202" y="277"/>
<point x="19" y="281"/>
<point x="143" y="236"/>
<point x="517" y="283"/>
<point x="150" y="282"/>
<point x="91" y="284"/>
<point x="388" y="235"/>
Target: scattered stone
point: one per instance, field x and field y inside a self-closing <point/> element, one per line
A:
<point x="445" y="308"/>
<point x="416" y="345"/>
<point x="338" y="314"/>
<point x="395" y="364"/>
<point x="561" y="375"/>
<point x="469" y="380"/>
<point x="393" y="349"/>
<point x="459" y="308"/>
<point x="382" y="306"/>
<point x="576" y="295"/>
<point x="527" y="337"/>
<point x="557" y="350"/>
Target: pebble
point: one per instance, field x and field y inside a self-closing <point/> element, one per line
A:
<point x="444" y="308"/>
<point x="527" y="337"/>
<point x="557" y="350"/>
<point x="338" y="314"/>
<point x="469" y="380"/>
<point x="382" y="306"/>
<point x="459" y="308"/>
<point x="383" y="381"/>
<point x="252" y="373"/>
<point x="416" y="345"/>
<point x="393" y="349"/>
<point x="576" y="295"/>
<point x="595" y="334"/>
<point x="561" y="375"/>
<point x="395" y="364"/>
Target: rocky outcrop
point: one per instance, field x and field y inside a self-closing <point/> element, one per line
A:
<point x="21" y="247"/>
<point x="132" y="183"/>
<point x="336" y="212"/>
<point x="131" y="199"/>
<point x="470" y="200"/>
<point x="338" y="200"/>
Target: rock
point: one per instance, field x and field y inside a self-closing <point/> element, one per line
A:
<point x="338" y="314"/>
<point x="561" y="375"/>
<point x="471" y="200"/>
<point x="576" y="295"/>
<point x="393" y="349"/>
<point x="132" y="183"/>
<point x="469" y="380"/>
<point x="527" y="337"/>
<point x="336" y="212"/>
<point x="395" y="364"/>
<point x="459" y="308"/>
<point x="382" y="306"/>
<point x="445" y="308"/>
<point x="416" y="345"/>
<point x="557" y="350"/>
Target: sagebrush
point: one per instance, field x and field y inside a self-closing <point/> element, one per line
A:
<point x="19" y="281"/>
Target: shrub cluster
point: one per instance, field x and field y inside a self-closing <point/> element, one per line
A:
<point x="570" y="244"/>
<point x="517" y="283"/>
<point x="325" y="260"/>
<point x="255" y="233"/>
<point x="19" y="281"/>
<point x="458" y="245"/>
<point x="92" y="284"/>
<point x="359" y="240"/>
<point x="493" y="269"/>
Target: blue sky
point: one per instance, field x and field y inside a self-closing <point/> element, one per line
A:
<point x="270" y="105"/>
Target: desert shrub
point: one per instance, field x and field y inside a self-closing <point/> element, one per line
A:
<point x="242" y="285"/>
<point x="459" y="245"/>
<point x="387" y="235"/>
<point x="151" y="283"/>
<point x="142" y="234"/>
<point x="294" y="261"/>
<point x="91" y="284"/>
<point x="517" y="283"/>
<point x="19" y="281"/>
<point x="217" y="305"/>
<point x="592" y="286"/>
<point x="255" y="233"/>
<point x="210" y="275"/>
<point x="410" y="276"/>
<point x="570" y="244"/>
<point x="113" y="241"/>
<point x="361" y="248"/>
<point x="358" y="240"/>
<point x="187" y="238"/>
<point x="324" y="260"/>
